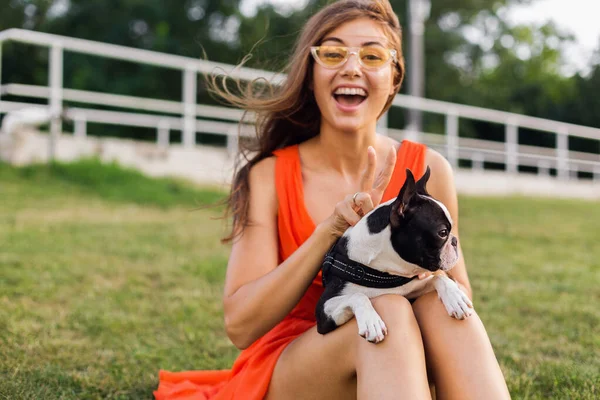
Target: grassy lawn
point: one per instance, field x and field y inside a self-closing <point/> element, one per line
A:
<point x="107" y="277"/>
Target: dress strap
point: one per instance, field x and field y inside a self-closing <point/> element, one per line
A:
<point x="411" y="155"/>
<point x="294" y="223"/>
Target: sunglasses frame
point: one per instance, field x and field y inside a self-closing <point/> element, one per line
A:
<point x="351" y="50"/>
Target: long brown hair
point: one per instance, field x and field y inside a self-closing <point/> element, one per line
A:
<point x="288" y="114"/>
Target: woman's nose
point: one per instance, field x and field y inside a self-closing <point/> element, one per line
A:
<point x="352" y="66"/>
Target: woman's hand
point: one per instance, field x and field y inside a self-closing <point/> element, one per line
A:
<point x="354" y="206"/>
<point x="424" y="275"/>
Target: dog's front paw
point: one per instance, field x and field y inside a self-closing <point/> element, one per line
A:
<point x="456" y="302"/>
<point x="370" y="325"/>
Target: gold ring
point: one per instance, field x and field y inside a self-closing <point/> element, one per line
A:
<point x="354" y="198"/>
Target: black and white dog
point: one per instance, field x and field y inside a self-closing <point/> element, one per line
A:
<point x="383" y="253"/>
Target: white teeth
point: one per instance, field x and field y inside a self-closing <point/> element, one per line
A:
<point x="351" y="91"/>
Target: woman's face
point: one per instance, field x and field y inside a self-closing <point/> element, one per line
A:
<point x="353" y="112"/>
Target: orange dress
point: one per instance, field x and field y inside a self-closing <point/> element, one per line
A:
<point x="251" y="373"/>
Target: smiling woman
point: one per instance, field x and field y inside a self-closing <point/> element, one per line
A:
<point x="311" y="174"/>
<point x="369" y="56"/>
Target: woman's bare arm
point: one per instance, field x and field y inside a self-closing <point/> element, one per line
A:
<point x="441" y="186"/>
<point x="258" y="292"/>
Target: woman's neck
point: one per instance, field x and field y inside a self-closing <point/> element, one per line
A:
<point x="345" y="152"/>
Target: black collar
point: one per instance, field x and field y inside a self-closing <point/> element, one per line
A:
<point x="338" y="264"/>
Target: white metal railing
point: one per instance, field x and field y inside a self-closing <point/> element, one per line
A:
<point x="190" y="68"/>
<point x="184" y="115"/>
<point x="120" y="101"/>
<point x="512" y="122"/>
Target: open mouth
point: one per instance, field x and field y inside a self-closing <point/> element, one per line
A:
<point x="350" y="97"/>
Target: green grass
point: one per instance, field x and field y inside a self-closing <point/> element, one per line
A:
<point x="107" y="276"/>
<point x="109" y="182"/>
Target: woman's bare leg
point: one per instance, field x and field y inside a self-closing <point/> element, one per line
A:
<point x="343" y="365"/>
<point x="459" y="354"/>
<point x="397" y="368"/>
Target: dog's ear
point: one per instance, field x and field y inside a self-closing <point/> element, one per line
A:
<point x="408" y="190"/>
<point x="400" y="205"/>
<point x="422" y="183"/>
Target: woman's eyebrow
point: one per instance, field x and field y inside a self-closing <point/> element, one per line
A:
<point x="333" y="39"/>
<point x="372" y="44"/>
<point x="338" y="40"/>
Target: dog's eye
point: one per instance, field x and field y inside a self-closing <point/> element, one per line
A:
<point x="443" y="233"/>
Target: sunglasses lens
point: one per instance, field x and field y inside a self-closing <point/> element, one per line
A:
<point x="374" y="56"/>
<point x="332" y="56"/>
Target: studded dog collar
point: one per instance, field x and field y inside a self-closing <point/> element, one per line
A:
<point x="339" y="265"/>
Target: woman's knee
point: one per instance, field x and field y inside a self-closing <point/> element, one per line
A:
<point x="426" y="305"/>
<point x="397" y="314"/>
<point x="402" y="348"/>
<point x="437" y="326"/>
<point x="393" y="306"/>
<point x="402" y="330"/>
<point x="429" y="308"/>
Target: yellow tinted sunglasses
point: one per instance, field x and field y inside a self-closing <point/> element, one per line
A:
<point x="370" y="57"/>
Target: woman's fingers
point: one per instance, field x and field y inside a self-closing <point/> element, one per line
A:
<point x="349" y="211"/>
<point x="384" y="176"/>
<point x="362" y="203"/>
<point x="387" y="171"/>
<point x="366" y="182"/>
<point x="346" y="210"/>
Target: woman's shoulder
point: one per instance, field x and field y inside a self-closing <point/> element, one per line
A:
<point x="437" y="162"/>
<point x="272" y="170"/>
<point x="263" y="171"/>
<point x="441" y="184"/>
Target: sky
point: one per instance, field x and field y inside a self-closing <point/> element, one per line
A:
<point x="578" y="17"/>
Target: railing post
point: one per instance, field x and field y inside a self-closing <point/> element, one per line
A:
<point x="452" y="137"/>
<point x="56" y="88"/>
<point x="382" y="124"/>
<point x="562" y="152"/>
<point x="189" y="106"/>
<point x="163" y="139"/>
<point x="543" y="168"/>
<point x="511" y="147"/>
<point x="232" y="142"/>
<point x="80" y="126"/>
<point x="477" y="161"/>
<point x="574" y="172"/>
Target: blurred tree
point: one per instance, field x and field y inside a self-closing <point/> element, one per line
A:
<point x="476" y="56"/>
<point x="585" y="102"/>
<point x="28" y="15"/>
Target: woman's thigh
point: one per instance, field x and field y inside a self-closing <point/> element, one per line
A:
<point x="459" y="353"/>
<point x="316" y="366"/>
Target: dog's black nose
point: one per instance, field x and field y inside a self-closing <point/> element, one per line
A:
<point x="454" y="241"/>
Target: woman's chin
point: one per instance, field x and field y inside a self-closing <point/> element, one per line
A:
<point x="350" y="125"/>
